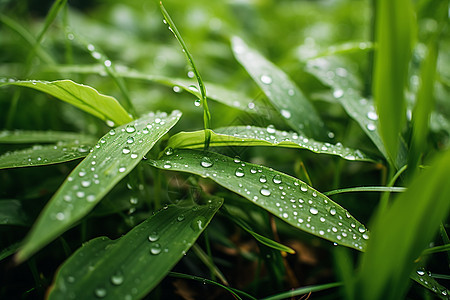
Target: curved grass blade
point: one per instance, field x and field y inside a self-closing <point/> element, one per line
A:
<point x="303" y="290"/>
<point x="282" y="195"/>
<point x="42" y="155"/>
<point x="112" y="158"/>
<point x="131" y="266"/>
<point x="391" y="189"/>
<point x="258" y="136"/>
<point x="29" y="136"/>
<point x="401" y="233"/>
<point x="82" y="96"/>
<point x="285" y="96"/>
<point x="260" y="238"/>
<point x="204" y="100"/>
<point x="215" y="91"/>
<point x="234" y="292"/>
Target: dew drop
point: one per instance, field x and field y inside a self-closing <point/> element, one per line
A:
<point x="176" y="89"/>
<point x="180" y="218"/>
<point x="117" y="278"/>
<point x="130" y="129"/>
<point x="365" y="236"/>
<point x="197" y="102"/>
<point x="303" y="188"/>
<point x="67" y="198"/>
<point x="134" y="155"/>
<point x="130" y="140"/>
<point x="239" y="172"/>
<point x="169" y="151"/>
<point x="285" y="113"/>
<point x="82" y="173"/>
<point x="107" y="63"/>
<point x="206" y="162"/>
<point x="153" y="237"/>
<point x="100" y="292"/>
<point x="90" y="198"/>
<point x="265" y="191"/>
<point x="332" y="212"/>
<point x="60" y="216"/>
<point x="371" y="127"/>
<point x="122" y="169"/>
<point x="338" y="93"/>
<point x="85" y="183"/>
<point x="155" y="249"/>
<point x="372" y="115"/>
<point x="167" y="165"/>
<point x="313" y="211"/>
<point x="80" y="194"/>
<point x="263" y="179"/>
<point x="198" y="224"/>
<point x="266" y="79"/>
<point x="253" y="170"/>
<point x="270" y="129"/>
<point x="277" y="179"/>
<point x="420" y="272"/>
<point x="361" y="229"/>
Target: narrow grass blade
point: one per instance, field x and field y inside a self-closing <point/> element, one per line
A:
<point x="215" y="92"/>
<point x="285" y="96"/>
<point x="401" y="234"/>
<point x="284" y="196"/>
<point x="131" y="266"/>
<point x="8" y="251"/>
<point x="394" y="189"/>
<point x="442" y="248"/>
<point x="258" y="136"/>
<point x="204" y="101"/>
<point x="41" y="155"/>
<point x="260" y="238"/>
<point x="112" y="158"/>
<point x="29" y="136"/>
<point x="234" y="292"/>
<point x="84" y="97"/>
<point x="303" y="290"/>
<point x="393" y="35"/>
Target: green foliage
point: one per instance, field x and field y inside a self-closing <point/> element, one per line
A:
<point x="108" y="196"/>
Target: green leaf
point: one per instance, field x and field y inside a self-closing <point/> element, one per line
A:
<point x="112" y="158"/>
<point x="284" y="196"/>
<point x="393" y="36"/>
<point x="82" y="96"/>
<point x="41" y="155"/>
<point x="423" y="277"/>
<point x="29" y="136"/>
<point x="285" y="96"/>
<point x="331" y="71"/>
<point x="12" y="213"/>
<point x="258" y="136"/>
<point x="131" y="266"/>
<point x="401" y="234"/>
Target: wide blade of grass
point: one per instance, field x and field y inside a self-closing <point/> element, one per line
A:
<point x="131" y="266"/>
<point x="282" y="92"/>
<point x="82" y="96"/>
<point x="286" y="197"/>
<point x="393" y="37"/>
<point x="29" y="136"/>
<point x="41" y="155"/>
<point x="401" y="234"/>
<point x="423" y="277"/>
<point x="112" y="158"/>
<point x="258" y="136"/>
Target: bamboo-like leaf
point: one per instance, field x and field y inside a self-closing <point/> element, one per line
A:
<point x="284" y="196"/>
<point x="30" y="136"/>
<point x="423" y="277"/>
<point x="41" y="155"/>
<point x="258" y="136"/>
<point x="112" y="158"/>
<point x="131" y="266"/>
<point x="285" y="96"/>
<point x="82" y="96"/>
<point x="403" y="232"/>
